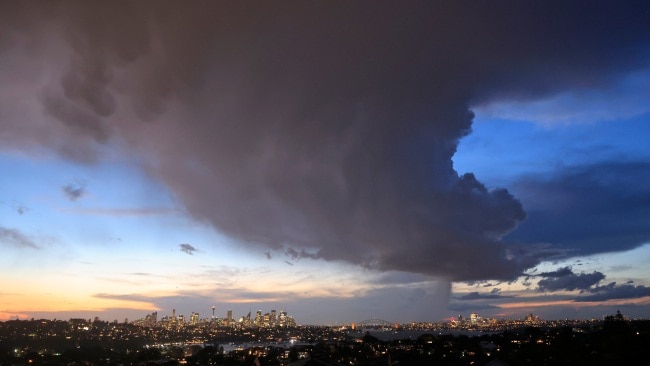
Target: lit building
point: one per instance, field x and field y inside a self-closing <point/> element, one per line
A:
<point x="194" y="318"/>
<point x="474" y="318"/>
<point x="273" y="318"/>
<point x="229" y="317"/>
<point x="258" y="318"/>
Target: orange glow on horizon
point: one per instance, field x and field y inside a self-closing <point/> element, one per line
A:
<point x="20" y="305"/>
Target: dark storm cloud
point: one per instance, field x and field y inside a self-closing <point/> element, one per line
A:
<point x="560" y="272"/>
<point x="322" y="129"/>
<point x="405" y="278"/>
<point x="611" y="291"/>
<point x="16" y="238"/>
<point x="567" y="280"/>
<point x="73" y="191"/>
<point x="588" y="209"/>
<point x="187" y="248"/>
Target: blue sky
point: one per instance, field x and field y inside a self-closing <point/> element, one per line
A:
<point x="397" y="164"/>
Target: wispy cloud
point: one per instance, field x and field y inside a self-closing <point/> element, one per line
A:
<point x="124" y="297"/>
<point x="16" y="238"/>
<point x="625" y="99"/>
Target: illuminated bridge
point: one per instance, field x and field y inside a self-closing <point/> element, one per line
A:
<point x="374" y="324"/>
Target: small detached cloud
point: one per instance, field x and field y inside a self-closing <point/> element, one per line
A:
<point x="187" y="248"/>
<point x="22" y="209"/>
<point x="566" y="279"/>
<point x="73" y="191"/>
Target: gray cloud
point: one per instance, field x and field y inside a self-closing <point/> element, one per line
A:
<point x="475" y="295"/>
<point x="560" y="272"/>
<point x="588" y="209"/>
<point x="187" y="248"/>
<point x="612" y="291"/>
<point x="565" y="279"/>
<point x="394" y="278"/>
<point x="16" y="238"/>
<point x="297" y="255"/>
<point x="73" y="191"/>
<point x="334" y="142"/>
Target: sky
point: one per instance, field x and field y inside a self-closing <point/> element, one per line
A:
<point x="341" y="161"/>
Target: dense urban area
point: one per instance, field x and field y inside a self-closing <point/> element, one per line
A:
<point x="275" y="339"/>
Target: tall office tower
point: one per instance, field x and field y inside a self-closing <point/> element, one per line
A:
<point x="273" y="320"/>
<point x="194" y="318"/>
<point x="174" y="316"/>
<point x="258" y="318"/>
<point x="283" y="318"/>
<point x="229" y="317"/>
<point x="151" y="319"/>
<point x="213" y="312"/>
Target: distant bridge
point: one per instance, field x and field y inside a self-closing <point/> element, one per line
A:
<point x="374" y="323"/>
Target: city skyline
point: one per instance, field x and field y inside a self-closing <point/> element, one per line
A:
<point x="341" y="161"/>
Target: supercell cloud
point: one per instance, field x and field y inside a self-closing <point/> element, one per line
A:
<point x="323" y="130"/>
